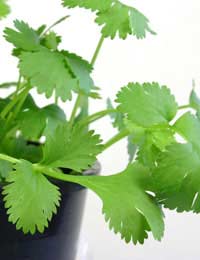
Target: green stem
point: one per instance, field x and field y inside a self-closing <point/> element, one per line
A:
<point x="116" y="138"/>
<point x="83" y="180"/>
<point x="21" y="102"/>
<point x="78" y="100"/>
<point x="74" y="111"/>
<point x="98" y="48"/>
<point x="14" y="101"/>
<point x="184" y="107"/>
<point x="8" y="84"/>
<point x="19" y="82"/>
<point x="92" y="118"/>
<point x="8" y="158"/>
<point x="54" y="24"/>
<point x="18" y="87"/>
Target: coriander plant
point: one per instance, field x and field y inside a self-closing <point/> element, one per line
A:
<point x="162" y="171"/>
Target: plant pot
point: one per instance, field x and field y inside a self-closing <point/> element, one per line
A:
<point x="59" y="241"/>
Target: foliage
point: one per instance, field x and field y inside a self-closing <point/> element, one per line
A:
<point x="38" y="142"/>
<point x="43" y="198"/>
<point x="115" y="17"/>
<point x="4" y="9"/>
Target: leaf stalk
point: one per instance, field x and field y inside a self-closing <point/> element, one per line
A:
<point x="96" y="116"/>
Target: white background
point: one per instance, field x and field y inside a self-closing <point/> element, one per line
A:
<point x="172" y="58"/>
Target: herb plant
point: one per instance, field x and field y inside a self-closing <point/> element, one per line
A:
<point x="162" y="171"/>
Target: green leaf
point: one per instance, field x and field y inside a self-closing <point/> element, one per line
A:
<point x="4" y="9"/>
<point x="188" y="126"/>
<point x="30" y="198"/>
<point x="41" y="29"/>
<point x="132" y="148"/>
<point x="195" y="102"/>
<point x="147" y="105"/>
<point x="147" y="152"/>
<point x="151" y="141"/>
<point x="72" y="148"/>
<point x="94" y="5"/>
<point x="95" y="95"/>
<point x="126" y="204"/>
<point x="118" y="122"/>
<point x="39" y="120"/>
<point x="51" y="41"/>
<point x="123" y="20"/>
<point x="177" y="179"/>
<point x="20" y="148"/>
<point x="5" y="169"/>
<point x="117" y="118"/>
<point x="48" y="71"/>
<point x="81" y="70"/>
<point x="115" y="17"/>
<point x="24" y="37"/>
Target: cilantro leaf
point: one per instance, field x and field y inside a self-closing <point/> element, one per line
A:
<point x="194" y="102"/>
<point x="147" y="105"/>
<point x="150" y="141"/>
<point x="20" y="148"/>
<point x="94" y="5"/>
<point x="41" y="29"/>
<point x="115" y="17"/>
<point x="72" y="148"/>
<point x="124" y="20"/>
<point x="188" y="126"/>
<point x="126" y="205"/>
<point x="81" y="70"/>
<point x="37" y="119"/>
<point x="177" y="179"/>
<point x="5" y="169"/>
<point x="118" y="122"/>
<point x="47" y="68"/>
<point x="132" y="148"/>
<point x="48" y="71"/>
<point x="4" y="9"/>
<point x="38" y="198"/>
<point x="147" y="151"/>
<point x="51" y="41"/>
<point x="117" y="117"/>
<point x="24" y="37"/>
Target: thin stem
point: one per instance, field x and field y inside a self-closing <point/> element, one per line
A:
<point x="19" y="82"/>
<point x="98" y="48"/>
<point x="74" y="111"/>
<point x="21" y="102"/>
<point x="18" y="87"/>
<point x="92" y="118"/>
<point x="8" y="84"/>
<point x="78" y="100"/>
<point x="54" y="24"/>
<point x="58" y="175"/>
<point x="116" y="139"/>
<point x="10" y="106"/>
<point x="8" y="158"/>
<point x="83" y="180"/>
<point x="184" y="107"/>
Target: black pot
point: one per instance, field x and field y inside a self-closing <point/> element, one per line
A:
<point x="59" y="241"/>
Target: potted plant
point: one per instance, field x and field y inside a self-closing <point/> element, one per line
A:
<point x="45" y="157"/>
